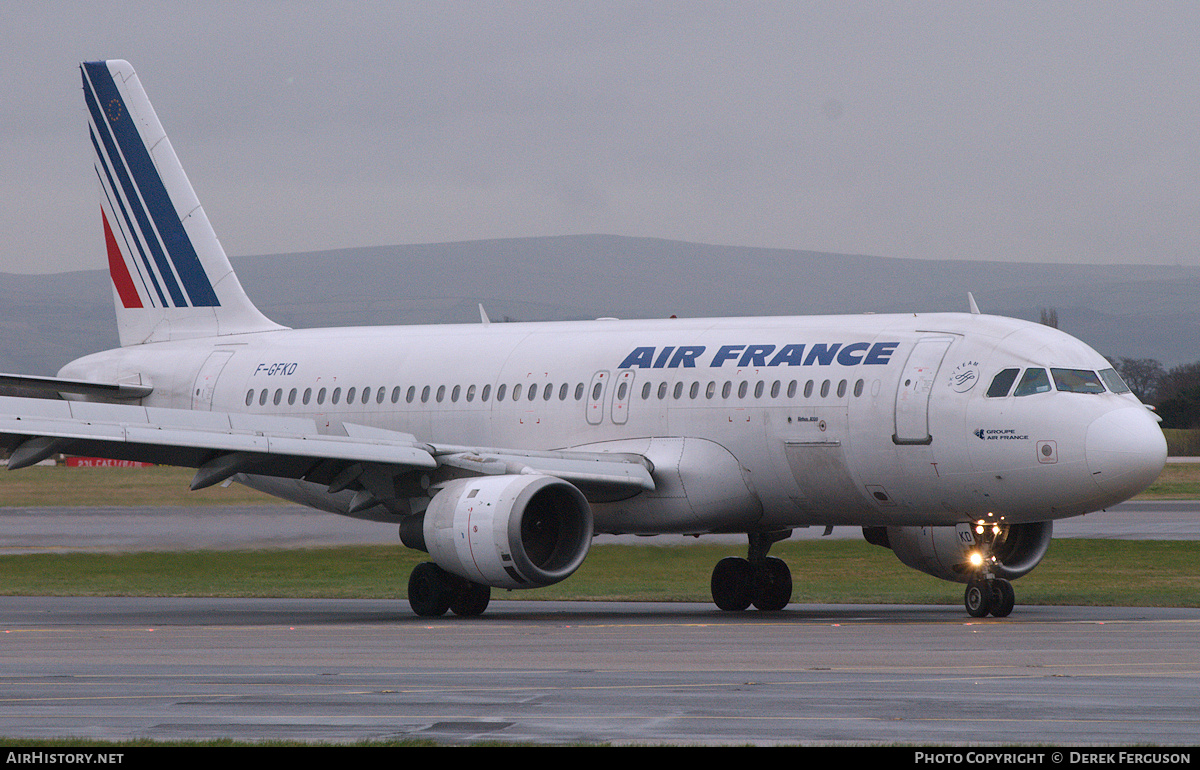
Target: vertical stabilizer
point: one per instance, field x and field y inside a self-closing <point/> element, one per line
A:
<point x="171" y="278"/>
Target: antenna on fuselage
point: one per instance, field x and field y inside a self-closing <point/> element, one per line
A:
<point x="483" y="317"/>
<point x="971" y="300"/>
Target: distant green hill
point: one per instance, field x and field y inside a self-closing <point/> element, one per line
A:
<point x="1127" y="311"/>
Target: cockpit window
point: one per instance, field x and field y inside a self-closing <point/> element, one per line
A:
<point x="1077" y="381"/>
<point x="1114" y="381"/>
<point x="1033" y="381"/>
<point x="1002" y="383"/>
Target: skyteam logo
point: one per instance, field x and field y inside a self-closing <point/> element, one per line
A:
<point x="151" y="257"/>
<point x="798" y="354"/>
<point x="964" y="376"/>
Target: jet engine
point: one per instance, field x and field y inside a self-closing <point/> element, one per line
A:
<point x="509" y="531"/>
<point x="953" y="553"/>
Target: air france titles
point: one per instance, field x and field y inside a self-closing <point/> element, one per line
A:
<point x="816" y="354"/>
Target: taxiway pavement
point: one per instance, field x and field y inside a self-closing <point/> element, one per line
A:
<point x="581" y="672"/>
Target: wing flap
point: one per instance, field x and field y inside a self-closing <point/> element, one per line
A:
<point x="600" y="476"/>
<point x="181" y="437"/>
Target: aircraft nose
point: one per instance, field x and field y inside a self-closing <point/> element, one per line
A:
<point x="1125" y="451"/>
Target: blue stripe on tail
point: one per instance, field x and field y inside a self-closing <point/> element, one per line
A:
<point x="130" y="165"/>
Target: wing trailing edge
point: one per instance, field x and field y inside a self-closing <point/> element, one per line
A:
<point x="220" y="445"/>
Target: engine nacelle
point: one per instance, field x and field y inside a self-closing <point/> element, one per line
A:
<point x="945" y="552"/>
<point x="511" y="531"/>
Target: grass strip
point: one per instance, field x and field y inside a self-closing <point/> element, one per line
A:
<point x="165" y="486"/>
<point x="1075" y="572"/>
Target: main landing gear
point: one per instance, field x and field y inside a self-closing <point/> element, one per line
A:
<point x="432" y="591"/>
<point x="761" y="580"/>
<point x="994" y="596"/>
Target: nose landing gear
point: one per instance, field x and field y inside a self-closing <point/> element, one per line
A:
<point x="987" y="594"/>
<point x="994" y="596"/>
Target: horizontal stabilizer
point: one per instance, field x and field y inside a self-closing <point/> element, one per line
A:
<point x="52" y="387"/>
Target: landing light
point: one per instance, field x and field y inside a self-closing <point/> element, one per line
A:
<point x="976" y="559"/>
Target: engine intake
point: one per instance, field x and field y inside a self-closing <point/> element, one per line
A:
<point x="944" y="553"/>
<point x="510" y="531"/>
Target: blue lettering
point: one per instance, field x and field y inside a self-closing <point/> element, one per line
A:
<point x="847" y="358"/>
<point x="282" y="367"/>
<point x="822" y="353"/>
<point x="686" y="356"/>
<point x="726" y="353"/>
<point x="792" y="355"/>
<point x="640" y="357"/>
<point x="880" y="353"/>
<point x="756" y="355"/>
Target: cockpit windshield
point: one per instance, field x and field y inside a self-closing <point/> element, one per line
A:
<point x="1114" y="381"/>
<point x="1077" y="381"/>
<point x="1036" y="380"/>
<point x="1033" y="381"/>
<point x="1002" y="383"/>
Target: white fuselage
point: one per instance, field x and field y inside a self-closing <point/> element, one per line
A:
<point x="751" y="423"/>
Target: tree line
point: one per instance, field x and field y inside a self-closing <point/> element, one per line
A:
<point x="1174" y="392"/>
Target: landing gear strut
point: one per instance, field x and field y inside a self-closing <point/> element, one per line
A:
<point x="432" y="591"/>
<point x="761" y="580"/>
<point x="987" y="594"/>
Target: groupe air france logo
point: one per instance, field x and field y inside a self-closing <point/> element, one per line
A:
<point x="1000" y="434"/>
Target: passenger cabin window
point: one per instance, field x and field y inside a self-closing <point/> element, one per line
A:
<point x="1077" y="381"/>
<point x="1002" y="383"/>
<point x="1033" y="381"/>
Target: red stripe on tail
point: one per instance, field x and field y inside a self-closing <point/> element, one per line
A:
<point x="117" y="269"/>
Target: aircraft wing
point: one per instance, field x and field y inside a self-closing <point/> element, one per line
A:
<point x="220" y="445"/>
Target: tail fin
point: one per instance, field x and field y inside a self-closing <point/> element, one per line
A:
<point x="171" y="278"/>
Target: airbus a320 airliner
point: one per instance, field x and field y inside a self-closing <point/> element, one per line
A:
<point x="955" y="440"/>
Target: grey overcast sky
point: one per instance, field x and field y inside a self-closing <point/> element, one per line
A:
<point x="1015" y="131"/>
